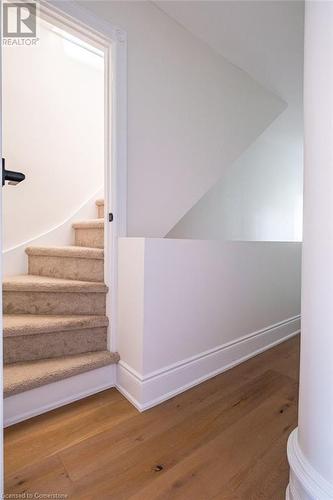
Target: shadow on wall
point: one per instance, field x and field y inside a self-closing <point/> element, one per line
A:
<point x="261" y="196"/>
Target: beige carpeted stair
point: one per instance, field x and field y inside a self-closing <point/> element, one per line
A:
<point x="28" y="294"/>
<point x="89" y="233"/>
<point x="74" y="263"/>
<point x="20" y="377"/>
<point x="54" y="317"/>
<point x="30" y="337"/>
<point x="100" y="208"/>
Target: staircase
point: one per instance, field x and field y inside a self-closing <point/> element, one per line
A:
<point x="55" y="323"/>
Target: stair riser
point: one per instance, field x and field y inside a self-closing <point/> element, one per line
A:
<point x="100" y="211"/>
<point x="52" y="345"/>
<point x="67" y="268"/>
<point x="89" y="237"/>
<point x="22" y="302"/>
<point x="23" y="377"/>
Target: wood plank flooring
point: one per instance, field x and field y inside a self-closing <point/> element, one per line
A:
<point x="224" y="440"/>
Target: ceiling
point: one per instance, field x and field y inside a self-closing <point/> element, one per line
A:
<point x="264" y="38"/>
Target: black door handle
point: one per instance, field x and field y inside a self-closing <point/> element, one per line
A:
<point x="13" y="178"/>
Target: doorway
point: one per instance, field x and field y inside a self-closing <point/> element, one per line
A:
<point x="38" y="302"/>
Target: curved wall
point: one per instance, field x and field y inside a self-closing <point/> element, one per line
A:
<point x="53" y="131"/>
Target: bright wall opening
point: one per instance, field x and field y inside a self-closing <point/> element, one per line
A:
<point x="53" y="122"/>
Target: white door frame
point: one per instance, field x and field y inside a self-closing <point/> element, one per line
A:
<point x="1" y="330"/>
<point x="114" y="42"/>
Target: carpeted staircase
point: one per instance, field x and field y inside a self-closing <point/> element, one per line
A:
<point x="55" y="323"/>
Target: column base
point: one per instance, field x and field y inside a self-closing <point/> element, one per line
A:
<point x="305" y="482"/>
<point x="289" y="494"/>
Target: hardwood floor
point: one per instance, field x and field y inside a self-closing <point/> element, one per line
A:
<point x="224" y="440"/>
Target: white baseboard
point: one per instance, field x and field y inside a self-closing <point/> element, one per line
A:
<point x="146" y="391"/>
<point x="291" y="493"/>
<point x="48" y="397"/>
<point x="305" y="482"/>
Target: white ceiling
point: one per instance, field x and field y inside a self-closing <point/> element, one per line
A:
<point x="265" y="38"/>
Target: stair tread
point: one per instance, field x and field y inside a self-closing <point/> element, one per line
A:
<point x="67" y="251"/>
<point x="31" y="324"/>
<point x="23" y="376"/>
<point x="89" y="224"/>
<point x="32" y="283"/>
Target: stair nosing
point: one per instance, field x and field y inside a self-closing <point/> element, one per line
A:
<point x="89" y="224"/>
<point x="58" y="324"/>
<point x="74" y="252"/>
<point x="49" y="377"/>
<point x="49" y="284"/>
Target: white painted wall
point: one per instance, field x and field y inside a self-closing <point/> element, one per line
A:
<point x="200" y="307"/>
<point x="15" y="260"/>
<point x="259" y="198"/>
<point x="191" y="113"/>
<point x="53" y="132"/>
<point x="131" y="287"/>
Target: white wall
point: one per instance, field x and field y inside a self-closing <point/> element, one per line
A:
<point x="53" y="132"/>
<point x="259" y="198"/>
<point x="131" y="286"/>
<point x="196" y="308"/>
<point x="191" y="113"/>
<point x="15" y="260"/>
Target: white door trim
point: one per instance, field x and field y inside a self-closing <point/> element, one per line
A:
<point x="1" y="332"/>
<point x="114" y="41"/>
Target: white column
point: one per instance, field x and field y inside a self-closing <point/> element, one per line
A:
<point x="310" y="447"/>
